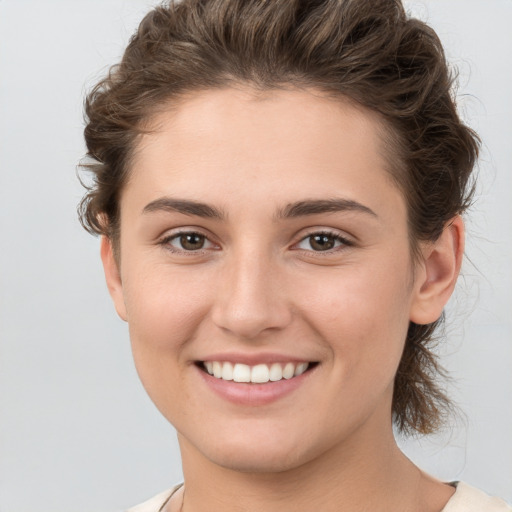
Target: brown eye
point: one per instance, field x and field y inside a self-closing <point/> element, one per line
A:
<point x="187" y="241"/>
<point x="191" y="241"/>
<point x="322" y="242"/>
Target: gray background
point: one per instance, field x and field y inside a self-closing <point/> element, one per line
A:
<point x="77" y="432"/>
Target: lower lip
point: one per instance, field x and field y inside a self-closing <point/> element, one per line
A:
<point x="242" y="393"/>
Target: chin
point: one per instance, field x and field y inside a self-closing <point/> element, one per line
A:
<point x="255" y="452"/>
<point x="256" y="460"/>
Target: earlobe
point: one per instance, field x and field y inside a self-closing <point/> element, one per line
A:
<point x="438" y="274"/>
<point x="113" y="277"/>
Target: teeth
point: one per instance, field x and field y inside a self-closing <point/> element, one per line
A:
<point x="288" y="371"/>
<point x="227" y="371"/>
<point x="276" y="372"/>
<point x="258" y="374"/>
<point x="300" y="369"/>
<point x="242" y="373"/>
<point x="217" y="369"/>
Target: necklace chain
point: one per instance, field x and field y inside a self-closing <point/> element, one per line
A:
<point x="182" y="500"/>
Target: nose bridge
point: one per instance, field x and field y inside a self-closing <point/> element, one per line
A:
<point x="250" y="299"/>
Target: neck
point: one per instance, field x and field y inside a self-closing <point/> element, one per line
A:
<point x="363" y="473"/>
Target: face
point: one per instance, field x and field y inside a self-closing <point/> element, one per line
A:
<point x="262" y="240"/>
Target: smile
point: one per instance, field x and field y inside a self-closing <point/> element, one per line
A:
<point x="257" y="374"/>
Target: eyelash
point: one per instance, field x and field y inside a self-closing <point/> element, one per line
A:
<point x="344" y="242"/>
<point x="166" y="242"/>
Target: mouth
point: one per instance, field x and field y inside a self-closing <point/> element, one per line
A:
<point x="256" y="374"/>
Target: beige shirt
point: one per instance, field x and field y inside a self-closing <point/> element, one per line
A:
<point x="465" y="499"/>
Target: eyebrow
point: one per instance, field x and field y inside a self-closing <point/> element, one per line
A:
<point x="316" y="206"/>
<point x="290" y="211"/>
<point x="185" y="206"/>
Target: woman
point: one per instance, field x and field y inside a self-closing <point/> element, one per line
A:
<point x="279" y="188"/>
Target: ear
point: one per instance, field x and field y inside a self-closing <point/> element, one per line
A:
<point x="437" y="274"/>
<point x="113" y="277"/>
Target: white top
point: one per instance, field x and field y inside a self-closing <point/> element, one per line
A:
<point x="465" y="499"/>
<point x="156" y="503"/>
<point x="470" y="499"/>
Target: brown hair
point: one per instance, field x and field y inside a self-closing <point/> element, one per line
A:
<point x="369" y="51"/>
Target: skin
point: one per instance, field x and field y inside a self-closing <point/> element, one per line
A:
<point x="259" y="286"/>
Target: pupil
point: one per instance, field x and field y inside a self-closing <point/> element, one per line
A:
<point x="322" y="242"/>
<point x="192" y="241"/>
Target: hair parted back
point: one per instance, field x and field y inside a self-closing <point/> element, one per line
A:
<point x="369" y="51"/>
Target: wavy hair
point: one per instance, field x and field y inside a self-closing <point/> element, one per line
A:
<point x="369" y="51"/>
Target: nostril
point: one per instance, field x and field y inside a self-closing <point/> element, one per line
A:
<point x="250" y="322"/>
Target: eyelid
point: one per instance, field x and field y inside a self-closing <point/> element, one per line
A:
<point x="345" y="241"/>
<point x="187" y="230"/>
<point x="163" y="240"/>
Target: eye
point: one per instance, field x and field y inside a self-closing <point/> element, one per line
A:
<point x="322" y="242"/>
<point x="187" y="241"/>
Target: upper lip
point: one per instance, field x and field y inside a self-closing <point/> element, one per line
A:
<point x="254" y="359"/>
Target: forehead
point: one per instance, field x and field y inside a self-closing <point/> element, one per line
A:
<point x="233" y="115"/>
<point x="228" y="144"/>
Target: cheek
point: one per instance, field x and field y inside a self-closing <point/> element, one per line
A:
<point x="165" y="311"/>
<point x="164" y="306"/>
<point x="362" y="315"/>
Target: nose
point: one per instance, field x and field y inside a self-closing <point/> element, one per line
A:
<point x="251" y="298"/>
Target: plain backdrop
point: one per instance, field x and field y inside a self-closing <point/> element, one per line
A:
<point x="77" y="432"/>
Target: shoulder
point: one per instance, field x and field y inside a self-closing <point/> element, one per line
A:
<point x="156" y="503"/>
<point x="470" y="499"/>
